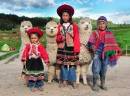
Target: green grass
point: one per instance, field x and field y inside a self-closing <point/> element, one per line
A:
<point x="13" y="40"/>
<point x="7" y="31"/>
<point x="8" y="55"/>
<point x="122" y="36"/>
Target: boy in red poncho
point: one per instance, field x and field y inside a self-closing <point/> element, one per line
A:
<point x="106" y="51"/>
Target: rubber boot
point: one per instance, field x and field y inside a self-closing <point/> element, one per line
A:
<point x="103" y="87"/>
<point x="95" y="85"/>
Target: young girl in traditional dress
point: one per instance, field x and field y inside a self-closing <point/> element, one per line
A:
<point x="106" y="51"/>
<point x="68" y="45"/>
<point x="32" y="60"/>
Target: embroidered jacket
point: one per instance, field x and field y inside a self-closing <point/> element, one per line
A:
<point x="72" y="37"/>
<point x="38" y="51"/>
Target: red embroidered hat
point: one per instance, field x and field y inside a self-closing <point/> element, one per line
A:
<point x="65" y="7"/>
<point x="37" y="30"/>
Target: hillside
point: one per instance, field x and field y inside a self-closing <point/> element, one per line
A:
<point x="12" y="38"/>
<point x="9" y="21"/>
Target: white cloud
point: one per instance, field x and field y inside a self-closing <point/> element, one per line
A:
<point x="27" y="14"/>
<point x="5" y="11"/>
<point x="124" y="19"/>
<point x="85" y="1"/>
<point x="31" y="14"/>
<point x="115" y="17"/>
<point x="98" y="1"/>
<point x="81" y="1"/>
<point x="51" y="1"/>
<point x="81" y="12"/>
<point x="108" y="0"/>
<point x="17" y="5"/>
<point x="91" y="3"/>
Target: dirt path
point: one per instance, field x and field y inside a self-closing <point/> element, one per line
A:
<point x="2" y="53"/>
<point x="117" y="81"/>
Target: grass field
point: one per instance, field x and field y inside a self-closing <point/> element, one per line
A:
<point x="11" y="38"/>
<point x="122" y="36"/>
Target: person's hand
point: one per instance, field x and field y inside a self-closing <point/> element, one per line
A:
<point x="24" y="63"/>
<point x="75" y="53"/>
<point x="63" y="38"/>
<point x="47" y="64"/>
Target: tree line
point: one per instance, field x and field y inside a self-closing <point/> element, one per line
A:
<point x="9" y="21"/>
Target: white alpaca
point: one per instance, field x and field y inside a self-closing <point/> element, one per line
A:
<point x="85" y="30"/>
<point x="25" y="26"/>
<point x="51" y="34"/>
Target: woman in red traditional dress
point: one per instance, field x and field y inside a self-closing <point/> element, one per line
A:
<point x="68" y="45"/>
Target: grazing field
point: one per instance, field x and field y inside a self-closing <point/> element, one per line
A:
<point x="11" y="38"/>
<point x="122" y="36"/>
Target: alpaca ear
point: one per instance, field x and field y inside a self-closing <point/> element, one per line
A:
<point x="77" y="25"/>
<point x="90" y="20"/>
<point x="81" y="18"/>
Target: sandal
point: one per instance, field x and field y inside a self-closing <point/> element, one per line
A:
<point x="62" y="85"/>
<point x="74" y="86"/>
<point x="33" y="89"/>
<point x="40" y="89"/>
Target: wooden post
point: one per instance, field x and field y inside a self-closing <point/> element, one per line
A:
<point x="126" y="49"/>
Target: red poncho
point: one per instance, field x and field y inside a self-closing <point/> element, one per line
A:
<point x="110" y="44"/>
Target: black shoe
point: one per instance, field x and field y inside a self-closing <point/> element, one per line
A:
<point x="95" y="85"/>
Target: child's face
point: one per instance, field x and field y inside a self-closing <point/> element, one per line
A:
<point x="34" y="38"/>
<point x="102" y="26"/>
<point x="65" y="17"/>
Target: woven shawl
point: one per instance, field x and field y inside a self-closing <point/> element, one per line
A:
<point x="109" y="45"/>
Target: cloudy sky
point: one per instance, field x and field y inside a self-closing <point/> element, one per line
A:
<point x="117" y="11"/>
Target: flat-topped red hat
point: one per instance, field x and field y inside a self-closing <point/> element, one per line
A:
<point x="37" y="30"/>
<point x="65" y="7"/>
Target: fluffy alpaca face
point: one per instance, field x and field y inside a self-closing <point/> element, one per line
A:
<point x="25" y="26"/>
<point x="85" y="24"/>
<point x="51" y="29"/>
